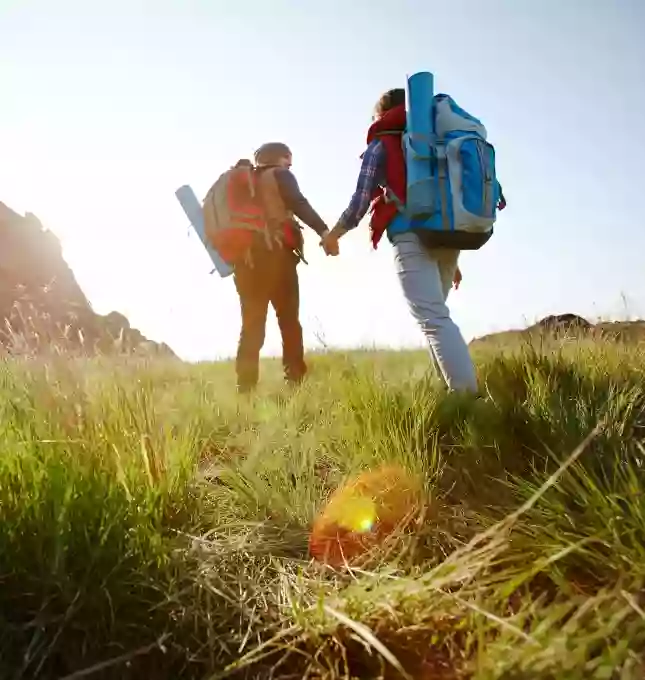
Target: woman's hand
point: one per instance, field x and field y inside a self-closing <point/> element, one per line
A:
<point x="456" y="280"/>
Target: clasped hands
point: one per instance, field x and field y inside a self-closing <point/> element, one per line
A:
<point x="329" y="242"/>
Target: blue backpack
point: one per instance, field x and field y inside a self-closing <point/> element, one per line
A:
<point x="453" y="195"/>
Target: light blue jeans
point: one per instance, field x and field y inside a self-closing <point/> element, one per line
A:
<point x="426" y="279"/>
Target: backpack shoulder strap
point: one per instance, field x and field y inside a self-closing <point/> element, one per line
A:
<point x="384" y="133"/>
<point x="269" y="191"/>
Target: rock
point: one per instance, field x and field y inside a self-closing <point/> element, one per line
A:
<point x="563" y="322"/>
<point x="42" y="305"/>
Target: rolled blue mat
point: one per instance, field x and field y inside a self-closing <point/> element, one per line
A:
<point x="193" y="209"/>
<point x="418" y="139"/>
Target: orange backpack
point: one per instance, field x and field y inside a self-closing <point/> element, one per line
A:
<point x="232" y="213"/>
<point x="241" y="205"/>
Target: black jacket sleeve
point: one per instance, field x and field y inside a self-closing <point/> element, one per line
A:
<point x="296" y="202"/>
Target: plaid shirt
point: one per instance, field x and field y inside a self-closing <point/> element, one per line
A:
<point x="370" y="177"/>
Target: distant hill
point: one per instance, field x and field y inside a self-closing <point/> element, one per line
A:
<point x="41" y="303"/>
<point x="571" y="326"/>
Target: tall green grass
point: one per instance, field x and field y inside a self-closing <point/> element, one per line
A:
<point x="153" y="524"/>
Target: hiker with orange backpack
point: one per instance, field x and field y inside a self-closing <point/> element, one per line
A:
<point x="428" y="175"/>
<point x="249" y="218"/>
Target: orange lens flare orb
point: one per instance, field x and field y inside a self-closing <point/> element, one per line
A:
<point x="363" y="513"/>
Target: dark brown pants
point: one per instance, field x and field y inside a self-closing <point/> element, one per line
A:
<point x="273" y="279"/>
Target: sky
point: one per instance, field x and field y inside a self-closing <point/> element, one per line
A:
<point x="107" y="108"/>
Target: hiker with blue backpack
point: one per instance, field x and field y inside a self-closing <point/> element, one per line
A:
<point x="428" y="177"/>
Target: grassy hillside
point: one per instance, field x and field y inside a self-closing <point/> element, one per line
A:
<point x="153" y="525"/>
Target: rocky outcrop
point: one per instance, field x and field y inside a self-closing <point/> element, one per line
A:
<point x="573" y="326"/>
<point x="42" y="307"/>
<point x="566" y="323"/>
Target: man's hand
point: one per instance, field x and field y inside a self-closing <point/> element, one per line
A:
<point x="456" y="280"/>
<point x="329" y="243"/>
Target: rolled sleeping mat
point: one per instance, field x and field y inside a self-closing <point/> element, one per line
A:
<point x="193" y="209"/>
<point x="417" y="141"/>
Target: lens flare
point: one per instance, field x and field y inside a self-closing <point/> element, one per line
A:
<point x="357" y="513"/>
<point x="363" y="512"/>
